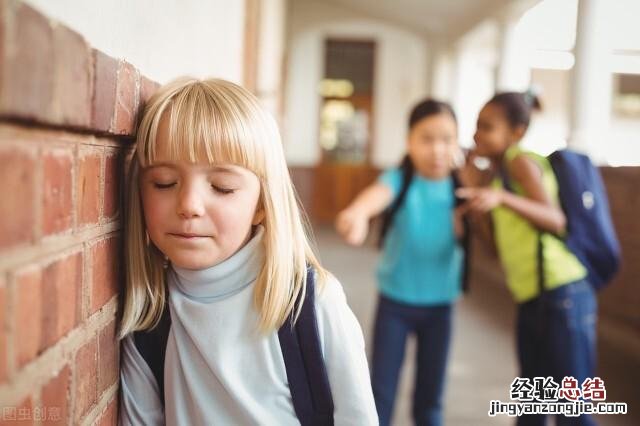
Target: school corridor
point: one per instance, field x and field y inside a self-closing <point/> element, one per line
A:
<point x="482" y="359"/>
<point x="340" y="77"/>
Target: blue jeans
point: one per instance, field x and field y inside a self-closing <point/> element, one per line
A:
<point x="432" y="326"/>
<point x="556" y="336"/>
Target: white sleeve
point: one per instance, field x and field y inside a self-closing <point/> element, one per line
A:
<point x="345" y="357"/>
<point x="140" y="403"/>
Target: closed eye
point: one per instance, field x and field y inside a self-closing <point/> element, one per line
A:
<point x="222" y="190"/>
<point x="163" y="185"/>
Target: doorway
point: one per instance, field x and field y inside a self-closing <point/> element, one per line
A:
<point x="346" y="126"/>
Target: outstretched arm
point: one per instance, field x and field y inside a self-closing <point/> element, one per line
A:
<point x="352" y="223"/>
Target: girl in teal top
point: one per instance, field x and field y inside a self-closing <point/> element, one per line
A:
<point x="421" y="243"/>
<point x="555" y="326"/>
<point x="420" y="271"/>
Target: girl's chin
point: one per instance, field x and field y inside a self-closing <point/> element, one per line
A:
<point x="436" y="172"/>
<point x="194" y="262"/>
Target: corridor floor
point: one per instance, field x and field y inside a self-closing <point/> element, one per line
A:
<point x="482" y="362"/>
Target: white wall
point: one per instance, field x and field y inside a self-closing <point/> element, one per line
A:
<point x="162" y="38"/>
<point x="400" y="79"/>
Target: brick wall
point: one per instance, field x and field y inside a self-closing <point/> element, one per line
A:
<point x="67" y="113"/>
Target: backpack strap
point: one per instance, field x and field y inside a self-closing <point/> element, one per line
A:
<point x="507" y="184"/>
<point x="306" y="370"/>
<point x="407" y="170"/>
<point x="152" y="345"/>
<point x="465" y="241"/>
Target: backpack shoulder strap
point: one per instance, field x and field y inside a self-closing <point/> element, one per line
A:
<point x="152" y="345"/>
<point x="465" y="241"/>
<point x="406" y="168"/>
<point x="515" y="151"/>
<point x="507" y="183"/>
<point x="304" y="363"/>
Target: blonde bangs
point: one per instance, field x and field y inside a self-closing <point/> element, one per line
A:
<point x="206" y="124"/>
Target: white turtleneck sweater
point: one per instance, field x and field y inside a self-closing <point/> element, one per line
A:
<point x="220" y="371"/>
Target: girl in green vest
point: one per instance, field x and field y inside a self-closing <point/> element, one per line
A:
<point x="556" y="304"/>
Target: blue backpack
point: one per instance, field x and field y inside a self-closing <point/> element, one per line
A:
<point x="590" y="233"/>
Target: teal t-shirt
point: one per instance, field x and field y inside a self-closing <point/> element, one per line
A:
<point x="421" y="263"/>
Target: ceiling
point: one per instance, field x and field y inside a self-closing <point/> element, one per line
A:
<point x="433" y="18"/>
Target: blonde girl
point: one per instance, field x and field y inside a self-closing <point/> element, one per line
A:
<point x="218" y="265"/>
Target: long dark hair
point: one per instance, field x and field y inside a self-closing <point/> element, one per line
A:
<point x="424" y="109"/>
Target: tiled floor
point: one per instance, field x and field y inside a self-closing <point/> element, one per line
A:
<point x="482" y="363"/>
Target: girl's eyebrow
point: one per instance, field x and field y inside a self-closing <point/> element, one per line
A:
<point x="225" y="169"/>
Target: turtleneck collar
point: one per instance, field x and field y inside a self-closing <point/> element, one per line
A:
<point x="226" y="278"/>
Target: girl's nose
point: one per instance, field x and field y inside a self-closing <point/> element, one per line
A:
<point x="440" y="149"/>
<point x="190" y="203"/>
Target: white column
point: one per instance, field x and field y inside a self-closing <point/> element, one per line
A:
<point x="455" y="81"/>
<point x="271" y="40"/>
<point x="512" y="70"/>
<point x="591" y="88"/>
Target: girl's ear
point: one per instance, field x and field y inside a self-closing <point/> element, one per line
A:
<point x="518" y="133"/>
<point x="258" y="216"/>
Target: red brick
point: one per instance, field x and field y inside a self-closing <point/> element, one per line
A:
<point x="112" y="171"/>
<point x="88" y="187"/>
<point x="110" y="415"/>
<point x="55" y="399"/>
<point x="61" y="295"/>
<point x="27" y="84"/>
<point x="104" y="91"/>
<point x="28" y="319"/>
<point x="104" y="279"/>
<point x="17" y="207"/>
<point x="56" y="191"/>
<point x="21" y="414"/>
<point x="107" y="357"/>
<point x="126" y="94"/>
<point x="3" y="333"/>
<point x="72" y="78"/>
<point x="85" y="392"/>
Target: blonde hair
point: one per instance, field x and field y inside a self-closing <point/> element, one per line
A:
<point x="218" y="122"/>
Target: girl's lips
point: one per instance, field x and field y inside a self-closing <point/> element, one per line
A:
<point x="188" y="236"/>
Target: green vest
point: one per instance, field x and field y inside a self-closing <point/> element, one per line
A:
<point x="517" y="241"/>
